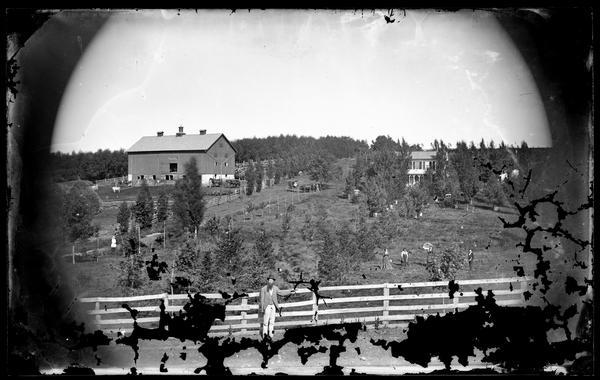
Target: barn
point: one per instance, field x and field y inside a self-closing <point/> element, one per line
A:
<point x="160" y="158"/>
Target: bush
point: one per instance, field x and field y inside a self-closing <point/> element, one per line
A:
<point x="446" y="264"/>
<point x="123" y="217"/>
<point x="448" y="202"/>
<point x="131" y="272"/>
<point x="144" y="207"/>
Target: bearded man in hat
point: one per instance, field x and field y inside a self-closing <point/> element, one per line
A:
<point x="269" y="305"/>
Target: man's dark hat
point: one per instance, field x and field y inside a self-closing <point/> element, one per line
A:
<point x="271" y="276"/>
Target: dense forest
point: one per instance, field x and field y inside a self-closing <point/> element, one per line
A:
<point x="281" y="146"/>
<point x="89" y="166"/>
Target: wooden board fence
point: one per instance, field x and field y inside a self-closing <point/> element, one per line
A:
<point x="390" y="304"/>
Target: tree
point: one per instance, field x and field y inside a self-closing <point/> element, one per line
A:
<point x="278" y="171"/>
<point x="339" y="253"/>
<point x="208" y="280"/>
<point x="258" y="176"/>
<point x="229" y="252"/>
<point x="384" y="143"/>
<point x="285" y="223"/>
<point x="464" y="162"/>
<point x="414" y="200"/>
<point x="492" y="192"/>
<point x="250" y="176"/>
<point x="187" y="261"/>
<point x="451" y="261"/>
<point x="445" y="264"/>
<point x="123" y="217"/>
<point x="260" y="261"/>
<point x="143" y="209"/>
<point x="376" y="197"/>
<point x="270" y="170"/>
<point x="188" y="197"/>
<point x="366" y="239"/>
<point x="80" y="207"/>
<point x="213" y="226"/>
<point x="162" y="207"/>
<point x="320" y="168"/>
<point x="307" y="229"/>
<point x="131" y="270"/>
<point x="131" y="267"/>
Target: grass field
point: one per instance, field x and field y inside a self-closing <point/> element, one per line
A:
<point x="494" y="247"/>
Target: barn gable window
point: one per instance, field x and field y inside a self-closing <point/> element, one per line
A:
<point x="173" y="167"/>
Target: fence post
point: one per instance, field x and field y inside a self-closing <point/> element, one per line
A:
<point x="386" y="304"/>
<point x="98" y="315"/>
<point x="244" y="320"/>
<point x="523" y="290"/>
<point x="166" y="300"/>
<point x="315" y="308"/>
<point x="455" y="300"/>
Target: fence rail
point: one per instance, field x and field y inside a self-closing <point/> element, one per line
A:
<point x="389" y="304"/>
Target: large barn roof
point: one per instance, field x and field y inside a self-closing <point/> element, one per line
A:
<point x="175" y="143"/>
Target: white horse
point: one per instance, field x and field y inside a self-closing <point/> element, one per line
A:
<point x="116" y="189"/>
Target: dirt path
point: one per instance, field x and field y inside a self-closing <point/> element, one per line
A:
<point x="366" y="359"/>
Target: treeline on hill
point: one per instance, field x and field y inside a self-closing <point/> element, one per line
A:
<point x="292" y="146"/>
<point x="91" y="166"/>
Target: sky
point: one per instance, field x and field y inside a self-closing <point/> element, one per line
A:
<point x="429" y="75"/>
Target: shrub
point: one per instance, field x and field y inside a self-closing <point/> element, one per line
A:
<point x="123" y="217"/>
<point x="144" y="207"/>
<point x="131" y="272"/>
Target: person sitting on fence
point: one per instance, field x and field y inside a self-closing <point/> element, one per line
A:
<point x="404" y="256"/>
<point x="269" y="306"/>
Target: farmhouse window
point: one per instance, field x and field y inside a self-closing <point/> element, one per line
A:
<point x="154" y="177"/>
<point x="173" y="167"/>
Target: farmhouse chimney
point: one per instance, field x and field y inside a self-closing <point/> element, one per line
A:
<point x="203" y="131"/>
<point x="159" y="134"/>
<point x="180" y="133"/>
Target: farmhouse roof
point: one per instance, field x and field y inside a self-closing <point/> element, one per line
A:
<point x="423" y="155"/>
<point x="175" y="143"/>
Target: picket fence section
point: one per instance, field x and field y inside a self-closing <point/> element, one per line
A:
<point x="389" y="304"/>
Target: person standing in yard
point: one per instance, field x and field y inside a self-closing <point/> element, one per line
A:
<point x="269" y="306"/>
<point x="470" y="259"/>
<point x="386" y="261"/>
<point x="404" y="256"/>
<point x="113" y="244"/>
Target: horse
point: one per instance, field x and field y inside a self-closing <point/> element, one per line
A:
<point x="116" y="189"/>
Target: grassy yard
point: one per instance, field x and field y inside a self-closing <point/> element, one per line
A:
<point x="494" y="247"/>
